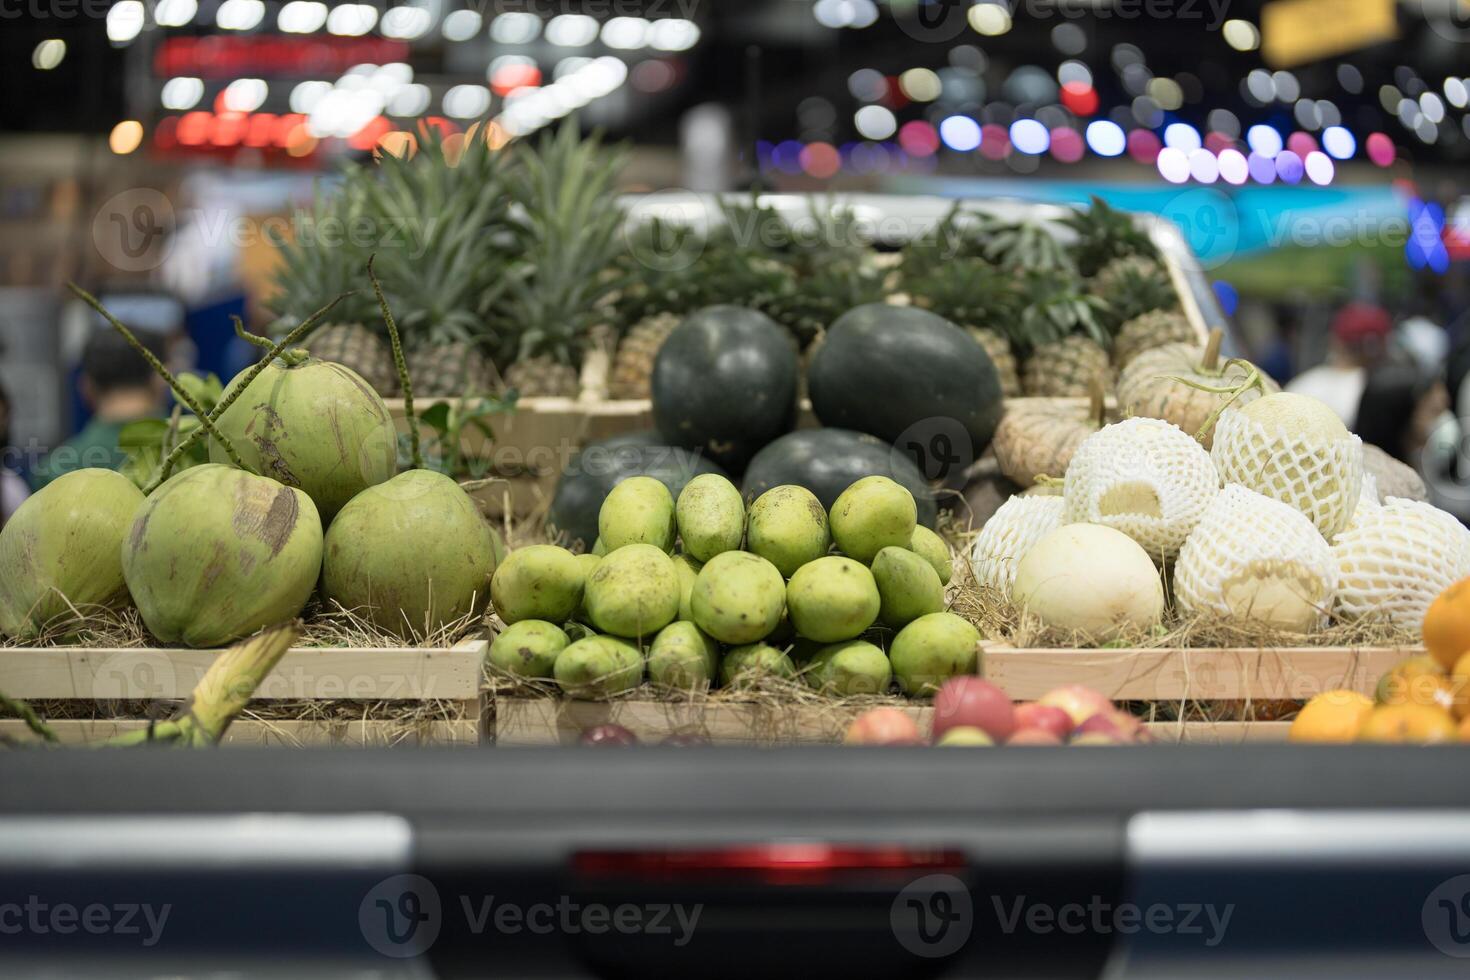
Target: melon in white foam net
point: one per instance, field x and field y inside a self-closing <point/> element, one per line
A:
<point x="1144" y="477"/>
<point x="1011" y="531"/>
<point x="1089" y="579"/>
<point x="1396" y="559"/>
<point x="1294" y="449"/>
<point x="1255" y="559"/>
<point x="1368" y="503"/>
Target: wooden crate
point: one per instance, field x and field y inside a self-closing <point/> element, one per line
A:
<point x="111" y="678"/>
<point x="554" y="721"/>
<point x="1169" y="677"/>
<point x="1205" y="674"/>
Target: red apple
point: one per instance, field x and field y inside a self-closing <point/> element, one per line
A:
<point x="1047" y="718"/>
<point x="608" y="734"/>
<point x="1078" y="701"/>
<point x="883" y="726"/>
<point x="1115" y="724"/>
<point x="1096" y="738"/>
<point x="970" y="702"/>
<point x="1033" y="736"/>
<point x="964" y="735"/>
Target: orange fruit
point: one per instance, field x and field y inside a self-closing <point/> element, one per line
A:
<point x="1447" y="624"/>
<point x="1416" y="680"/>
<point x="1460" y="687"/>
<point x="1464" y="730"/>
<point x="1332" y="716"/>
<point x="1413" y="724"/>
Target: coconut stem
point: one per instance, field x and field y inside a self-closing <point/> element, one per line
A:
<point x="222" y="693"/>
<point x="1211" y="359"/>
<point x="416" y="456"/>
<point x="290" y="357"/>
<point x="179" y="391"/>
<point x="27" y="714"/>
<point x="236" y="389"/>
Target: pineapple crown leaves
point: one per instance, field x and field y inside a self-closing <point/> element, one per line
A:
<point x="1105" y="233"/>
<point x="1025" y="245"/>
<point x="968" y="291"/>
<point x="1056" y="305"/>
<point x="568" y="232"/>
<point x="808" y="306"/>
<point x="321" y="260"/>
<point x="1132" y="287"/>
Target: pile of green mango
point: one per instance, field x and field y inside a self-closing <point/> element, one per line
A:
<point x="704" y="592"/>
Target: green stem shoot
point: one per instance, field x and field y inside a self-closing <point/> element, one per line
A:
<point x="416" y="453"/>
<point x="179" y="391"/>
<point x="27" y="714"/>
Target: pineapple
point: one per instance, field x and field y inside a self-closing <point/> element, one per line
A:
<point x="315" y="269"/>
<point x="1153" y="329"/>
<point x="1132" y="286"/>
<point x="1059" y="324"/>
<point x="543" y="376"/>
<point x="1105" y="234"/>
<point x="1001" y="356"/>
<point x="1065" y="368"/>
<point x="632" y="370"/>
<point x="450" y="369"/>
<point x="568" y="237"/>
<point x="441" y="259"/>
<point x="355" y="346"/>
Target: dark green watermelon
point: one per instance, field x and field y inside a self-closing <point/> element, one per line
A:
<point x="724" y="383"/>
<point x="828" y="461"/>
<point x="910" y="378"/>
<point x="596" y="468"/>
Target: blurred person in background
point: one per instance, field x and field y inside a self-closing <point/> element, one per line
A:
<point x="1360" y="337"/>
<point x="13" y="490"/>
<point x="119" y="387"/>
<point x="1399" y="410"/>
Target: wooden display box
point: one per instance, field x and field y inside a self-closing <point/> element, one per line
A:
<point x="109" y="684"/>
<point x="1168" y="677"/>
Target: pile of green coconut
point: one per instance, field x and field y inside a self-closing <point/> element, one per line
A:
<point x="302" y="496"/>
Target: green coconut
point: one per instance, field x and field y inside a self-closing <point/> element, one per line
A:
<point x="216" y="554"/>
<point x="411" y="555"/>
<point x="62" y="551"/>
<point x="314" y="425"/>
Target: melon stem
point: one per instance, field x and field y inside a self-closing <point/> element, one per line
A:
<point x="1211" y="359"/>
<point x="236" y="389"/>
<point x="416" y="456"/>
<point x="1253" y="379"/>
<point x="179" y="391"/>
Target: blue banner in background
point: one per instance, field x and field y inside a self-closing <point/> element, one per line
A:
<point x="1220" y="222"/>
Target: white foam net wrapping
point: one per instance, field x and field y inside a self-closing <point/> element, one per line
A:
<point x="1144" y="477"/>
<point x="1394" y="562"/>
<point x="1368" y="503"/>
<point x="1255" y="558"/>
<point x="1323" y="482"/>
<point x="1011" y="531"/>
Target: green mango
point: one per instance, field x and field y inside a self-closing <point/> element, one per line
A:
<point x="639" y="510"/>
<point x="62" y="548"/>
<point x="737" y="597"/>
<point x="598" y="667"/>
<point x="907" y="585"/>
<point x="216" y="554"/>
<point x="931" y="650"/>
<point x="849" y="668"/>
<point x="682" y="658"/>
<point x="634" y="591"/>
<point x="711" y="516"/>
<point x="872" y="514"/>
<point x="528" y="648"/>
<point x="832" y="599"/>
<point x="787" y="526"/>
<point x="411" y="555"/>
<point x="540" y="581"/>
<point x="746" y="666"/>
<point x="933" y="549"/>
